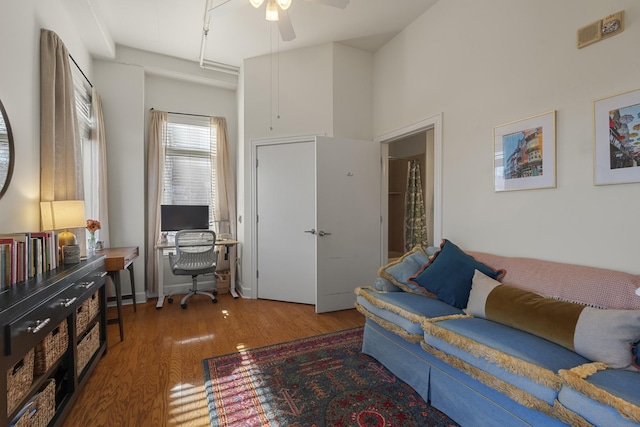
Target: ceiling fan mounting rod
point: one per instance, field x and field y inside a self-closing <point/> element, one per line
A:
<point x="211" y="65"/>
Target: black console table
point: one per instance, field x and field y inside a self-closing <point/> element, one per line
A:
<point x="65" y="306"/>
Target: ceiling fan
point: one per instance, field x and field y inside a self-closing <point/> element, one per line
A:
<point x="276" y="10"/>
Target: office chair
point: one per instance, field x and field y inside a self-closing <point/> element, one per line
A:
<point x="195" y="255"/>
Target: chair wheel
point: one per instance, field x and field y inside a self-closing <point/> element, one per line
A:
<point x="215" y="292"/>
<point x="214" y="301"/>
<point x="170" y="300"/>
<point x="183" y="305"/>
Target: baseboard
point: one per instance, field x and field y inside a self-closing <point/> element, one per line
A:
<point x="141" y="298"/>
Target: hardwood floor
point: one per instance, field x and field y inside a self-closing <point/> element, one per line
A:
<point x="154" y="377"/>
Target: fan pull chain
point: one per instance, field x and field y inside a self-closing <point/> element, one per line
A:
<point x="271" y="77"/>
<point x="278" y="76"/>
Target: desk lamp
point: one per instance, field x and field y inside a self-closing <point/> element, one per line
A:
<point x="63" y="215"/>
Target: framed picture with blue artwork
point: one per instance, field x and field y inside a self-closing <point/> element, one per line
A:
<point x="616" y="121"/>
<point x="525" y="153"/>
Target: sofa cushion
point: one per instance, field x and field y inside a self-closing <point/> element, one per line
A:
<point x="525" y="361"/>
<point x="603" y="396"/>
<point x="398" y="271"/>
<point x="599" y="335"/>
<point x="403" y="310"/>
<point x="449" y="273"/>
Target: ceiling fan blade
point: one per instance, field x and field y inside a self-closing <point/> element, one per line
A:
<point x="333" y="3"/>
<point x="285" y="27"/>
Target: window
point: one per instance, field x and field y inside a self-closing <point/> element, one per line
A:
<point x="90" y="152"/>
<point x="189" y="165"/>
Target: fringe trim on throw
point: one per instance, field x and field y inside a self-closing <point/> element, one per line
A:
<point x="511" y="364"/>
<point x="518" y="395"/>
<point x="389" y="326"/>
<point x="574" y="378"/>
<point x="412" y="317"/>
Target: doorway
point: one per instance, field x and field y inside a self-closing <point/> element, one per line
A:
<point x="431" y="127"/>
<point x="417" y="147"/>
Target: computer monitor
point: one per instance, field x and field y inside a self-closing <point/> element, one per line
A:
<point x="184" y="217"/>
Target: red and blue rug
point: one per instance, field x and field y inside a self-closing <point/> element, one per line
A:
<point x="324" y="380"/>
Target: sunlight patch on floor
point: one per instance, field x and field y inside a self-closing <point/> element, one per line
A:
<point x="197" y="339"/>
<point x="188" y="406"/>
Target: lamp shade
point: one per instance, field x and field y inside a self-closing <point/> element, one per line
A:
<point x="256" y="3"/>
<point x="46" y="216"/>
<point x="63" y="215"/>
<point x="272" y="11"/>
<point x="68" y="214"/>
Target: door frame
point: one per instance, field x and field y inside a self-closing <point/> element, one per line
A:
<point x="254" y="195"/>
<point x="434" y="122"/>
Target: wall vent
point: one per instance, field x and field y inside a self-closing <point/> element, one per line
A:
<point x="601" y="29"/>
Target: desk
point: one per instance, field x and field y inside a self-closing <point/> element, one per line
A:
<point x="228" y="243"/>
<point x="120" y="259"/>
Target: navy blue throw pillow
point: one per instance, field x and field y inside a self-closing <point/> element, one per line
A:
<point x="449" y="274"/>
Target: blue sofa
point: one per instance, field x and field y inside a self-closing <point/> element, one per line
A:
<point x="445" y="332"/>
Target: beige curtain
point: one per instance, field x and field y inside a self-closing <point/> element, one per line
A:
<point x="60" y="149"/>
<point x="60" y="145"/>
<point x="99" y="168"/>
<point x="155" y="165"/>
<point x="226" y="203"/>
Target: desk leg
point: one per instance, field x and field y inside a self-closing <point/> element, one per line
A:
<point x="160" y="278"/>
<point x="115" y="277"/>
<point x="232" y="271"/>
<point x="133" y="286"/>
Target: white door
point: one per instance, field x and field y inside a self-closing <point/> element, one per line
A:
<point x="349" y="208"/>
<point x="286" y="208"/>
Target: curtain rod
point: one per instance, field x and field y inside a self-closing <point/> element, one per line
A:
<point x="81" y="72"/>
<point x="186" y="114"/>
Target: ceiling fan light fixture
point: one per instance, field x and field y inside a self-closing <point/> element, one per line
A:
<point x="272" y="11"/>
<point x="256" y="3"/>
<point x="284" y="4"/>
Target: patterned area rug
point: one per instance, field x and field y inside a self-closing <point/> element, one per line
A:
<point x="320" y="381"/>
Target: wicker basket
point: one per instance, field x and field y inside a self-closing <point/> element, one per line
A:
<point x="51" y="348"/>
<point x="88" y="347"/>
<point x="94" y="305"/>
<point x="86" y="312"/>
<point x="19" y="379"/>
<point x="40" y="410"/>
<point x="82" y="318"/>
<point x="222" y="282"/>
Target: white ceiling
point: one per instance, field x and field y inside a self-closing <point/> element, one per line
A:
<point x="236" y="29"/>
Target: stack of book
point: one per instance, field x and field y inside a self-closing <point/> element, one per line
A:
<point x="26" y="255"/>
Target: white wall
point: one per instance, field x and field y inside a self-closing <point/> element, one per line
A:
<point x="352" y="92"/>
<point x="20" y="23"/>
<point x="181" y="96"/>
<point x="121" y="87"/>
<point x="128" y="92"/>
<point x="487" y="63"/>
<point x="321" y="90"/>
<point x="302" y="95"/>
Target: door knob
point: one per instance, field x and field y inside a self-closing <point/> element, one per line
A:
<point x="312" y="231"/>
<point x="323" y="233"/>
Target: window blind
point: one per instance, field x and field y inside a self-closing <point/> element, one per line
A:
<point x="190" y="157"/>
<point x="82" y="92"/>
<point x="90" y="154"/>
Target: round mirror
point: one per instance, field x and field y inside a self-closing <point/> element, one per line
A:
<point x="6" y="151"/>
